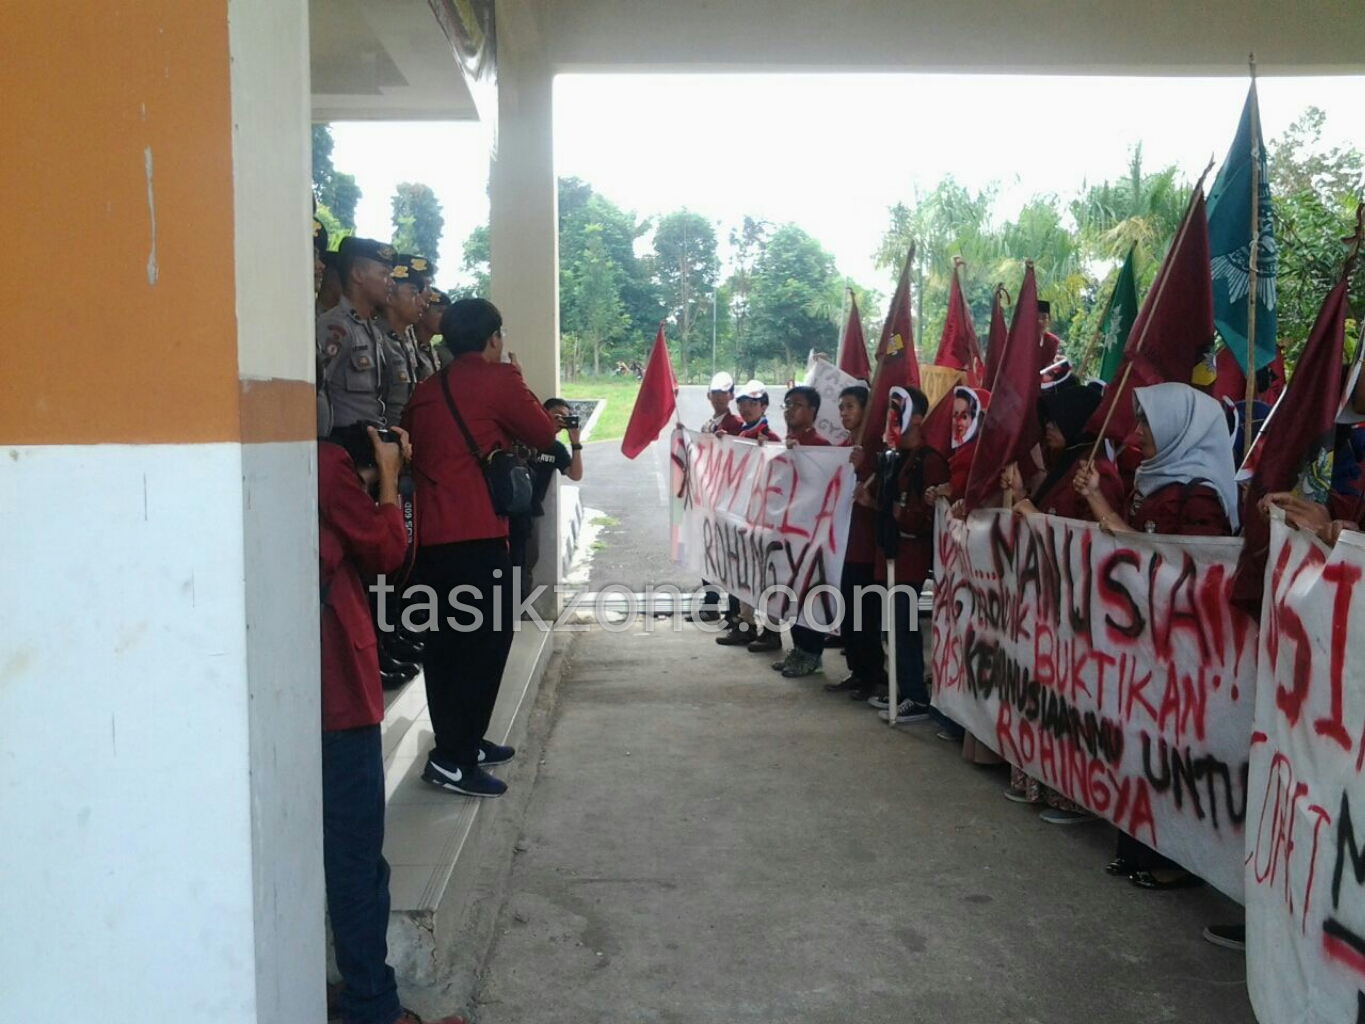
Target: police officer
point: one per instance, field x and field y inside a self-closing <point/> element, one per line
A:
<point x="319" y="248"/>
<point x="350" y="353"/>
<point x="429" y="354"/>
<point x="403" y="310"/>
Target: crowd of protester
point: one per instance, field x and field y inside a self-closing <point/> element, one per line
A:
<point x="1178" y="479"/>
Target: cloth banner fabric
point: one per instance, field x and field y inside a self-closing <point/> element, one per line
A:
<point x="749" y="517"/>
<point x="826" y="378"/>
<point x="1113" y="669"/>
<point x="1305" y="856"/>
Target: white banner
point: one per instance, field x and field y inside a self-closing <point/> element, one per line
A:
<point x="1111" y="668"/>
<point x="1305" y="864"/>
<point x="750" y="517"/>
<point x="829" y="380"/>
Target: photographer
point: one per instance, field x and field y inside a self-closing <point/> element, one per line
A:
<point x="357" y="536"/>
<point x="522" y="534"/>
<point x="475" y="407"/>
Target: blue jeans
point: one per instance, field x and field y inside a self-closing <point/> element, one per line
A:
<point x="357" y="874"/>
<point x="909" y="650"/>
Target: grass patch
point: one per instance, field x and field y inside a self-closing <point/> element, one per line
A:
<point x="619" y="395"/>
<point x="598" y="545"/>
<point x="604" y="521"/>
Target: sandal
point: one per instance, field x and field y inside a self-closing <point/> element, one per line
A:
<point x="1118" y="867"/>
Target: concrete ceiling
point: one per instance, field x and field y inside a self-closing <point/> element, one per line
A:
<point x="383" y="60"/>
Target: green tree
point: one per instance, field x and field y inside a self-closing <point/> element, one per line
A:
<point x="337" y="191"/>
<point x="595" y="301"/>
<point x="476" y="265"/>
<point x="582" y="213"/>
<point x="1138" y="209"/>
<point x="686" y="268"/>
<point x="791" y="282"/>
<point x="1314" y="191"/>
<point x="417" y="220"/>
<point x="747" y="241"/>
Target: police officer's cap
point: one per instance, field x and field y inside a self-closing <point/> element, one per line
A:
<point x="409" y="269"/>
<point x="439" y="299"/>
<point x="368" y="249"/>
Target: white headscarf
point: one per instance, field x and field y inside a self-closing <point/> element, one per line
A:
<point x="1192" y="443"/>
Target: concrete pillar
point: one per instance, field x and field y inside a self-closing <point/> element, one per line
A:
<point x="524" y="221"/>
<point x="158" y="660"/>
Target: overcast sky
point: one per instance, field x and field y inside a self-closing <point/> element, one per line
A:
<point x="833" y="152"/>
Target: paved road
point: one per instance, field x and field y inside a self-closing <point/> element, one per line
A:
<point x="708" y="842"/>
<point x="635" y="495"/>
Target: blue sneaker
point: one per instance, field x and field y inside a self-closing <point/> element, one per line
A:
<point x="493" y="754"/>
<point x="462" y="779"/>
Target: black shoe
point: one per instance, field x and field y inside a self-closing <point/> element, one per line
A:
<point x="1118" y="867"/>
<point x="768" y="640"/>
<point x="393" y="681"/>
<point x="493" y="754"/>
<point x="708" y="615"/>
<point x="388" y="663"/>
<point x="845" y="685"/>
<point x="738" y="635"/>
<point x="1229" y="936"/>
<point x="404" y="649"/>
<point x="463" y="779"/>
<point x="862" y="693"/>
<point x="1149" y="881"/>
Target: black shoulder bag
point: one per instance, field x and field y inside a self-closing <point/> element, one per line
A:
<point x="508" y="480"/>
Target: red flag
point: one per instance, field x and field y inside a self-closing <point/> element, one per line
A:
<point x="1011" y="427"/>
<point x="995" y="340"/>
<point x="896" y="362"/>
<point x="655" y="404"/>
<point x="1297" y="435"/>
<point x="852" y="346"/>
<point x="1173" y="328"/>
<point x="1231" y="383"/>
<point x="957" y="345"/>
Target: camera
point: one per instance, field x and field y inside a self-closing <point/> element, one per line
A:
<point x="571" y="421"/>
<point x="356" y="440"/>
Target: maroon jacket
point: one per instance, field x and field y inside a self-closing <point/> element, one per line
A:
<point x="1189" y="510"/>
<point x="497" y="406"/>
<point x="354" y="536"/>
<point x="728" y="424"/>
<point x="809" y="436"/>
<point x="1062" y="499"/>
<point x="921" y="469"/>
<point x="759" y="429"/>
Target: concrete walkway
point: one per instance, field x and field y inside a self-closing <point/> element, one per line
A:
<point x="708" y="842"/>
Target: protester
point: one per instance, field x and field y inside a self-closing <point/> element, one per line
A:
<point x="357" y="536"/>
<point x="1049" y="342"/>
<point x="861" y="628"/>
<point x="799" y="409"/>
<point x="1067" y="449"/>
<point x="1183" y="486"/>
<point x="743" y="629"/>
<point x="720" y="394"/>
<point x="753" y="410"/>
<point x="475" y="406"/>
<point x="905" y="533"/>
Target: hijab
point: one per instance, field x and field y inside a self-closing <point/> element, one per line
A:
<point x="1192" y="443"/>
<point x="978" y="400"/>
<point x="1070" y="408"/>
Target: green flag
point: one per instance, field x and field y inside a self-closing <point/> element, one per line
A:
<point x="1230" y="243"/>
<point x="1118" y="320"/>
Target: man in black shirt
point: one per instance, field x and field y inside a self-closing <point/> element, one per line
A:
<point x="569" y="461"/>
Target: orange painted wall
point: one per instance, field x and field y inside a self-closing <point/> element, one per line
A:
<point x="88" y="89"/>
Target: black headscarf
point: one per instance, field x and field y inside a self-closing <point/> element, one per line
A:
<point x="1070" y="409"/>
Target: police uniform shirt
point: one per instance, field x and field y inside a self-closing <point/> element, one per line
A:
<point x="427" y="361"/>
<point x="350" y="366"/>
<point x="400" y="369"/>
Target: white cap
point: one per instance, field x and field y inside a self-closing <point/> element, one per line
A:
<point x="754" y="389"/>
<point x="722" y="382"/>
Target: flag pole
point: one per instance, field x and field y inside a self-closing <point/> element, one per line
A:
<point x="1252" y="268"/>
<point x="1162" y="279"/>
<point x="1108" y="308"/>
